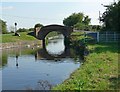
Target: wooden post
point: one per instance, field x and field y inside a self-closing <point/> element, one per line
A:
<point x="115" y="37"/>
<point x="106" y="37"/>
<point x="98" y="37"/>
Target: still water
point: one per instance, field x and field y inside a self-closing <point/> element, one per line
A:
<point x="35" y="68"/>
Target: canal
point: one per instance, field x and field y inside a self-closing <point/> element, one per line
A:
<point x="36" y="68"/>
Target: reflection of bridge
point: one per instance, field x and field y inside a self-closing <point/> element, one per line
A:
<point x="43" y="54"/>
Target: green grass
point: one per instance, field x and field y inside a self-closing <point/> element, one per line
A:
<point x="11" y="38"/>
<point x="98" y="72"/>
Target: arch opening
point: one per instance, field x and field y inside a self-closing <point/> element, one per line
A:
<point x="55" y="43"/>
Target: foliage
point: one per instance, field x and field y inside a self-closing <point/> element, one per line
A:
<point x="25" y="30"/>
<point x="98" y="72"/>
<point x="111" y="17"/>
<point x="3" y="26"/>
<point x="86" y="20"/>
<point x="81" y="37"/>
<point x="77" y="20"/>
<point x="22" y="30"/>
<point x="95" y="27"/>
<point x="80" y="26"/>
<point x="31" y="29"/>
<point x="73" y="19"/>
<point x="38" y="25"/>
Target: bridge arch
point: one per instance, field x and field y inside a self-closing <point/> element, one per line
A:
<point x="42" y="33"/>
<point x="66" y="31"/>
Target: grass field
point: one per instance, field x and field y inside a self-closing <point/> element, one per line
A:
<point x="98" y="72"/>
<point x="11" y="38"/>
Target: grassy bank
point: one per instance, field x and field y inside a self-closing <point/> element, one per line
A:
<point x="11" y="38"/>
<point x="99" y="71"/>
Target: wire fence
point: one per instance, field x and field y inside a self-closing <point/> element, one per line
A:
<point x="105" y="36"/>
<point x="109" y="37"/>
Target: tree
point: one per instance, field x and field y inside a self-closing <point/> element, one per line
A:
<point x="111" y="17"/>
<point x="22" y="30"/>
<point x="3" y="26"/>
<point x="77" y="21"/>
<point x="86" y="20"/>
<point x="31" y="29"/>
<point x="73" y="19"/>
<point x="38" y="25"/>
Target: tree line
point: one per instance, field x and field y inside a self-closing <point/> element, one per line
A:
<point x="80" y="21"/>
<point x="111" y="17"/>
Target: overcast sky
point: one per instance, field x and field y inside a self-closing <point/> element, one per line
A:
<point x="26" y="13"/>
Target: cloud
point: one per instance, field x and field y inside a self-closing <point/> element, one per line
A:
<point x="6" y="8"/>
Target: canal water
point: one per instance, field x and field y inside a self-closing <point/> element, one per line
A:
<point x="36" y="68"/>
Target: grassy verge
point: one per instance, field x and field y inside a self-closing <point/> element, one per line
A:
<point x="99" y="71"/>
<point x="11" y="38"/>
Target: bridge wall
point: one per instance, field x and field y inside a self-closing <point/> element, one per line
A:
<point x="66" y="31"/>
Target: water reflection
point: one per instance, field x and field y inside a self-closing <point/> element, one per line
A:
<point x="17" y="61"/>
<point x="25" y="67"/>
<point x="44" y="54"/>
<point x="56" y="47"/>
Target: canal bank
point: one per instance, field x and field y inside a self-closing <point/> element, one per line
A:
<point x="21" y="44"/>
<point x="99" y="72"/>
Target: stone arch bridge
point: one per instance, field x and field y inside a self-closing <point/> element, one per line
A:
<point x="43" y="31"/>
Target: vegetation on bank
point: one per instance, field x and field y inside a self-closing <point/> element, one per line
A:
<point x="98" y="72"/>
<point x="24" y="36"/>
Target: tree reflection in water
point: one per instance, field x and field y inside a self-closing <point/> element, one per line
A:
<point x="41" y="85"/>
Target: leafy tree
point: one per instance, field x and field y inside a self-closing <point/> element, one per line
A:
<point x="3" y="26"/>
<point x="31" y="29"/>
<point x="111" y="17"/>
<point x="86" y="20"/>
<point x="38" y="25"/>
<point x="22" y="30"/>
<point x="77" y="20"/>
<point x="73" y="19"/>
<point x="95" y="27"/>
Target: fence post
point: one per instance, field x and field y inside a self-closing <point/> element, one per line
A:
<point x="98" y="38"/>
<point x="115" y="37"/>
<point x="106" y="37"/>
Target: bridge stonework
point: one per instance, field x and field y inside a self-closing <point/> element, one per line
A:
<point x="66" y="31"/>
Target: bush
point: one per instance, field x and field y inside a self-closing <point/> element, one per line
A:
<point x="22" y="30"/>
